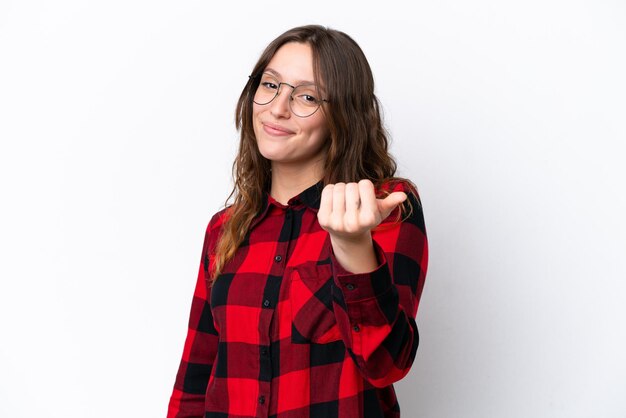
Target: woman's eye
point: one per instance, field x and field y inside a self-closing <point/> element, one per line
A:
<point x="306" y="95"/>
<point x="269" y="85"/>
<point x="307" y="99"/>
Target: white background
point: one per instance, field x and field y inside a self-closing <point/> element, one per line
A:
<point x="117" y="138"/>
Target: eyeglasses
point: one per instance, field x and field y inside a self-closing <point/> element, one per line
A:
<point x="303" y="100"/>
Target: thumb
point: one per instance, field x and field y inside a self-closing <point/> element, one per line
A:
<point x="389" y="203"/>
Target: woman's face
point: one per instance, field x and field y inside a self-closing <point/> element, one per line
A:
<point x="282" y="137"/>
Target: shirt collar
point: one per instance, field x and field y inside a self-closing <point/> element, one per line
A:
<point x="310" y="197"/>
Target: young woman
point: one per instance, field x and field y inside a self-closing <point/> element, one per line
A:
<point x="310" y="280"/>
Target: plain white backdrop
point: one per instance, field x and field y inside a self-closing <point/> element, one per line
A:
<point x="117" y="138"/>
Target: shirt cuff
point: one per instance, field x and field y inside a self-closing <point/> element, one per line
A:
<point x="361" y="286"/>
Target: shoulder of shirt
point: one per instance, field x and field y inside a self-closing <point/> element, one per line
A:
<point x="217" y="220"/>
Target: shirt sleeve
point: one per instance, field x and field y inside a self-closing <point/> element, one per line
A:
<point x="376" y="311"/>
<point x="187" y="399"/>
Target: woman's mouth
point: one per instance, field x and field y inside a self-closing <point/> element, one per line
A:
<point x="276" y="130"/>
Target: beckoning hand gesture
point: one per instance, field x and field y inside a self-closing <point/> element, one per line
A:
<point x="349" y="211"/>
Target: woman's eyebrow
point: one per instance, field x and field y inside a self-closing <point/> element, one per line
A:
<point x="277" y="75"/>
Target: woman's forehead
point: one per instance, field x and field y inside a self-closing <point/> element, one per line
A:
<point x="279" y="76"/>
<point x="293" y="62"/>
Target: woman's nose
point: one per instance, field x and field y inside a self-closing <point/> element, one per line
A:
<point x="280" y="104"/>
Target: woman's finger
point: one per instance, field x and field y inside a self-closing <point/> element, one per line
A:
<point x="339" y="200"/>
<point x="353" y="198"/>
<point x="388" y="204"/>
<point x="369" y="208"/>
<point x="353" y="202"/>
<point x="326" y="204"/>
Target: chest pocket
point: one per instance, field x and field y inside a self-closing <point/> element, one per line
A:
<point x="310" y="295"/>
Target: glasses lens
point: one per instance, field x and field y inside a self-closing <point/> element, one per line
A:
<point x="267" y="90"/>
<point x="305" y="100"/>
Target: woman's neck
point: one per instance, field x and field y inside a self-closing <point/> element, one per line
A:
<point x="289" y="181"/>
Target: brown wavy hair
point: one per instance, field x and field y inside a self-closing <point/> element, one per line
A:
<point x="358" y="147"/>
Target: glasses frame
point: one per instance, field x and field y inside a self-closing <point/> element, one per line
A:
<point x="280" y="83"/>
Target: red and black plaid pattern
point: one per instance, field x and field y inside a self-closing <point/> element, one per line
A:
<point x="286" y="332"/>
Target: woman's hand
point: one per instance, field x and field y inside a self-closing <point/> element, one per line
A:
<point x="349" y="212"/>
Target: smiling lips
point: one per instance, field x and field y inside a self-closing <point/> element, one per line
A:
<point x="276" y="130"/>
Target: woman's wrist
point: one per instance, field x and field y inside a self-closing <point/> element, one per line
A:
<point x="355" y="255"/>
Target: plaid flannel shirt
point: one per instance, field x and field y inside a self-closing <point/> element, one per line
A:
<point x="286" y="332"/>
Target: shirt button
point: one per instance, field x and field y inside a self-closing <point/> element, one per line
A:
<point x="278" y="258"/>
<point x="356" y="328"/>
<point x="266" y="303"/>
<point x="264" y="351"/>
<point x="261" y="400"/>
<point x="350" y="286"/>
